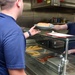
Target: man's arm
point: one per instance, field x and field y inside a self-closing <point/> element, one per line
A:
<point x="26" y="34"/>
<point x="70" y="51"/>
<point x="55" y="27"/>
<point x="60" y="27"/>
<point x="17" y="72"/>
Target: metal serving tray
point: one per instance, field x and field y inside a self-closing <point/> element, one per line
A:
<point x="44" y="57"/>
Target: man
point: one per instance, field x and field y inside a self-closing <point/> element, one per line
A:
<point x="71" y="30"/>
<point x="12" y="40"/>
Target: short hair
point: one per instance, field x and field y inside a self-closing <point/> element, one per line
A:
<point x="6" y="3"/>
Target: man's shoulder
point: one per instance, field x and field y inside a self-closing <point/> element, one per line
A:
<point x="9" y="27"/>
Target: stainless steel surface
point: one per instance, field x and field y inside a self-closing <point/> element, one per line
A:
<point x="66" y="57"/>
<point x="50" y="43"/>
<point x="54" y="64"/>
<point x="51" y="66"/>
<point x="55" y="2"/>
<point x="31" y="42"/>
<point x="38" y="68"/>
<point x="68" y="3"/>
<point x="61" y="65"/>
<point x="64" y="61"/>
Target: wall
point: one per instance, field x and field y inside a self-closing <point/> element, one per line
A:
<point x="48" y="15"/>
<point x="30" y="17"/>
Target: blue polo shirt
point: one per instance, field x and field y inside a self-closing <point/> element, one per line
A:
<point x="71" y="30"/>
<point x="12" y="45"/>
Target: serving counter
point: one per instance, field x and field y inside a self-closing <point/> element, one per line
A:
<point x="49" y="60"/>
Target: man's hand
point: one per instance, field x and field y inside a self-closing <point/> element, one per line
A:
<point x="32" y="32"/>
<point x="71" y="51"/>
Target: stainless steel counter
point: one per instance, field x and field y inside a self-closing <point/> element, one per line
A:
<point x="49" y="68"/>
<point x="38" y="68"/>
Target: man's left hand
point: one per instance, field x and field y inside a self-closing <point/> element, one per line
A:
<point x="34" y="31"/>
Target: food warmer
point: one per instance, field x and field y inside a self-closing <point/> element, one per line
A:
<point x="44" y="56"/>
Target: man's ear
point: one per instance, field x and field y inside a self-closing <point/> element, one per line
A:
<point x="18" y="3"/>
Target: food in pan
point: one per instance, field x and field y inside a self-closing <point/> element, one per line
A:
<point x="44" y="59"/>
<point x="43" y="25"/>
<point x="33" y="48"/>
<point x="33" y="53"/>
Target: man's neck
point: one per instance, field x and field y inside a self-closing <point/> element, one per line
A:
<point x="9" y="13"/>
